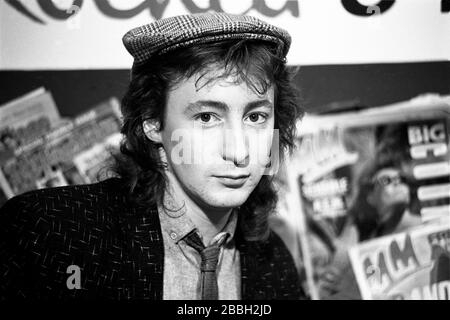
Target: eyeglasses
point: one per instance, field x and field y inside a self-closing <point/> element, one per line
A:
<point x="385" y="180"/>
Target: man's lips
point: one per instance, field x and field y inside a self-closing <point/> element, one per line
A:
<point x="233" y="176"/>
<point x="233" y="180"/>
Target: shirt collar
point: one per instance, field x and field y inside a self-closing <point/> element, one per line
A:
<point x="230" y="226"/>
<point x="178" y="225"/>
<point x="175" y="223"/>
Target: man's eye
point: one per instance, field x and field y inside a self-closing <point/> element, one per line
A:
<point x="206" y="118"/>
<point x="257" y="117"/>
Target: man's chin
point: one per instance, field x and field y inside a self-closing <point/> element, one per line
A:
<point x="228" y="200"/>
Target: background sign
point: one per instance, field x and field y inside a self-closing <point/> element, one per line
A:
<point x="81" y="34"/>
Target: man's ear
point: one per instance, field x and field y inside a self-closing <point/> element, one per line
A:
<point x="152" y="130"/>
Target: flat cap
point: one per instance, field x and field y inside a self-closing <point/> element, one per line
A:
<point x="168" y="34"/>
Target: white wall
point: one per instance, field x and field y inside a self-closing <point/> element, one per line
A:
<point x="323" y="33"/>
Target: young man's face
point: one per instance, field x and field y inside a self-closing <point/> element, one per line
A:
<point x="217" y="138"/>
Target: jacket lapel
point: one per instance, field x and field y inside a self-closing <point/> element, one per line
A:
<point x="267" y="270"/>
<point x="253" y="271"/>
<point x="144" y="261"/>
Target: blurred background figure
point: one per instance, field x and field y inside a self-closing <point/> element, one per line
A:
<point x="382" y="203"/>
<point x="381" y="206"/>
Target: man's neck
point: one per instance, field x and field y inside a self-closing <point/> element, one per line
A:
<point x="209" y="221"/>
<point x="209" y="224"/>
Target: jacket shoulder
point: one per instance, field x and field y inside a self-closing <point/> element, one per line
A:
<point x="90" y="194"/>
<point x="43" y="230"/>
<point x="45" y="213"/>
<point x="76" y="203"/>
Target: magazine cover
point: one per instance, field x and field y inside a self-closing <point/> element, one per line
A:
<point x="25" y="118"/>
<point x="413" y="265"/>
<point x="55" y="158"/>
<point x="366" y="174"/>
<point x="91" y="161"/>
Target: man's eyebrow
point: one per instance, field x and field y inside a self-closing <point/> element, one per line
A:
<point x="256" y="104"/>
<point x="197" y="106"/>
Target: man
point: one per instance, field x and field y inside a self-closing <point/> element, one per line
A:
<point x="187" y="216"/>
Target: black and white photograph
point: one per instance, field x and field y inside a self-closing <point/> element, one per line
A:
<point x="252" y="150"/>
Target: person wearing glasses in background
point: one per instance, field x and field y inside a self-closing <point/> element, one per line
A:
<point x="382" y="203"/>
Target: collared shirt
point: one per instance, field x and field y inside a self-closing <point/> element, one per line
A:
<point x="182" y="262"/>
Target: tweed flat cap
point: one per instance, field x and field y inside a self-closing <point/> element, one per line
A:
<point x="171" y="33"/>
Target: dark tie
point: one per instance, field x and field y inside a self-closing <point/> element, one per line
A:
<point x="210" y="257"/>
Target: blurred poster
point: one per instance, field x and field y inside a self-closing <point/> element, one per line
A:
<point x="325" y="177"/>
<point x="25" y="118"/>
<point x="414" y="265"/>
<point x="91" y="161"/>
<point x="21" y="121"/>
<point x="367" y="174"/>
<point x="55" y="158"/>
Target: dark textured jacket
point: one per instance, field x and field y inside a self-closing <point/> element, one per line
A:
<point x="117" y="246"/>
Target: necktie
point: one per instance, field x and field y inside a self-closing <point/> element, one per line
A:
<point x="210" y="257"/>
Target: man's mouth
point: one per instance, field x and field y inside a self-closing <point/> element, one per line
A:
<point x="233" y="180"/>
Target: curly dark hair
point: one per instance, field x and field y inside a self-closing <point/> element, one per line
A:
<point x="257" y="63"/>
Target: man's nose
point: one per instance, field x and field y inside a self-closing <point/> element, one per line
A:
<point x="235" y="146"/>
